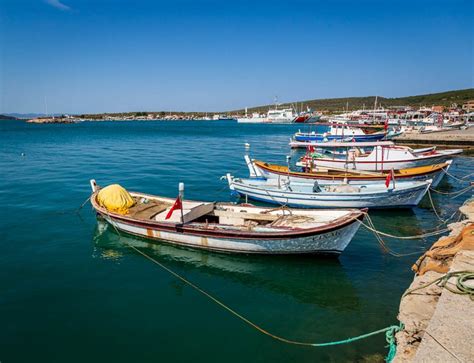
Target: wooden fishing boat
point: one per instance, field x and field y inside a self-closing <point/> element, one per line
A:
<point x="380" y="159"/>
<point x="306" y="195"/>
<point x="327" y="176"/>
<point x="236" y="228"/>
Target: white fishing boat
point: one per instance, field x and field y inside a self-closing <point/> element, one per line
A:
<point x="306" y="195"/>
<point x="226" y="227"/>
<point x="380" y="158"/>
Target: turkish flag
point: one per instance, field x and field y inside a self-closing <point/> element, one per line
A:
<point x="176" y="205"/>
<point x="389" y="178"/>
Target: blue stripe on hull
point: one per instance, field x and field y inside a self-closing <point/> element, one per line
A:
<point x="320" y="138"/>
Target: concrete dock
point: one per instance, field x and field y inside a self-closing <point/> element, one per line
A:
<point x="439" y="324"/>
<point x="455" y="138"/>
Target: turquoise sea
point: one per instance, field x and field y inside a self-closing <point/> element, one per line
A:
<point x="71" y="291"/>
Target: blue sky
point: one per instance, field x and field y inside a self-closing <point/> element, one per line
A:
<point x="105" y="56"/>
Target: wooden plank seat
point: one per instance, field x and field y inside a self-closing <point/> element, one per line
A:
<point x="147" y="210"/>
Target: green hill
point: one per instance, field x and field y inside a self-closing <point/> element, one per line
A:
<point x="353" y="103"/>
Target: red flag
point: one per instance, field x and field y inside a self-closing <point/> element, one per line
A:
<point x="176" y="205"/>
<point x="389" y="178"/>
<point x="385" y="126"/>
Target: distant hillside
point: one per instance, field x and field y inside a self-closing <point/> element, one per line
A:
<point x="353" y="103"/>
<point x="27" y="116"/>
<point x="6" y="117"/>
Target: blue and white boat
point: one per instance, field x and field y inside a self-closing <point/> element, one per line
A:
<point x="343" y="132"/>
<point x="305" y="195"/>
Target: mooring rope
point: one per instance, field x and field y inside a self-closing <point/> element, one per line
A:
<point x="461" y="287"/>
<point x="389" y="331"/>
<point x="382" y="243"/>
<point x="372" y="228"/>
<point x="462" y="180"/>
<point x="434" y="208"/>
<point x="454" y="194"/>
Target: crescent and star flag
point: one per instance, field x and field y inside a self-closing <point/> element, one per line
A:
<point x="177" y="205"/>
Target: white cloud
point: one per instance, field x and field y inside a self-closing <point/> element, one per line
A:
<point x="58" y="5"/>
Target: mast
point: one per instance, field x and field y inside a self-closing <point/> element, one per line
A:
<point x="375" y="106"/>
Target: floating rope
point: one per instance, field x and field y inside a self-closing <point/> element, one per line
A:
<point x="454" y="194"/>
<point x="461" y="287"/>
<point x="389" y="331"/>
<point x="382" y="242"/>
<point x="371" y="227"/>
<point x="434" y="208"/>
<point x="462" y="180"/>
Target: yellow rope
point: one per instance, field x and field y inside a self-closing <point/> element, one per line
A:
<point x="390" y="331"/>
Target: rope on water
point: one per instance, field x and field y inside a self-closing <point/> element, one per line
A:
<point x="75" y="211"/>
<point x="389" y="331"/>
<point x="462" y="180"/>
<point x="370" y="226"/>
<point x="382" y="243"/>
<point x="434" y="208"/>
<point x="454" y="194"/>
<point x="461" y="287"/>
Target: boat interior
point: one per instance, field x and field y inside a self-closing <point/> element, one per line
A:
<point x="231" y="216"/>
<point x="347" y="173"/>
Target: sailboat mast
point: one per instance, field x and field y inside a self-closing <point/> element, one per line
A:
<point x="375" y="106"/>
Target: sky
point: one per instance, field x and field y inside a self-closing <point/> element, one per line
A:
<point x="84" y="56"/>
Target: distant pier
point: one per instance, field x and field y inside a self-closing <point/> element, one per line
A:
<point x="454" y="139"/>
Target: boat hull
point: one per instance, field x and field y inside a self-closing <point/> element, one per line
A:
<point x="355" y="138"/>
<point x="401" y="197"/>
<point x="329" y="242"/>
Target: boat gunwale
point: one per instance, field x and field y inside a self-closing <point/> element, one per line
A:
<point x="435" y="168"/>
<point x="438" y="154"/>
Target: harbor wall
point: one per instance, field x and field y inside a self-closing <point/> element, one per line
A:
<point x="452" y="139"/>
<point x="439" y="324"/>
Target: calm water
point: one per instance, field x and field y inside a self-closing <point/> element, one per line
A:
<point x="71" y="291"/>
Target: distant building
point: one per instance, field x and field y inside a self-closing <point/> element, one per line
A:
<point x="468" y="106"/>
<point x="437" y="109"/>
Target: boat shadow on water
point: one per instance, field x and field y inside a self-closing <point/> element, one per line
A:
<point x="308" y="279"/>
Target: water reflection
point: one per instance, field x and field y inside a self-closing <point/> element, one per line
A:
<point x="308" y="279"/>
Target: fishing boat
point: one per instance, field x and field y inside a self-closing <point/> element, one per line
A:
<point x="342" y="132"/>
<point x="329" y="176"/>
<point x="305" y="195"/>
<point x="337" y="144"/>
<point x="380" y="158"/>
<point x="226" y="227"/>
